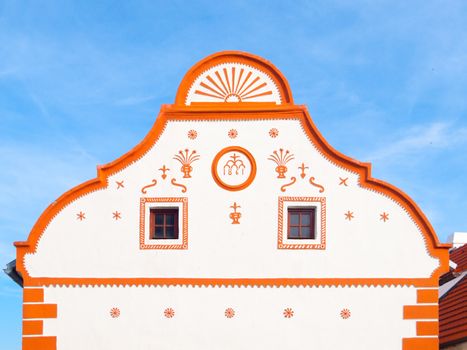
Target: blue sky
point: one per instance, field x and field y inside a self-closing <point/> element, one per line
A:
<point x="82" y="82"/>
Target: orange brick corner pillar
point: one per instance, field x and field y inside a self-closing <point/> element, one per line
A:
<point x="425" y="313"/>
<point x="34" y="312"/>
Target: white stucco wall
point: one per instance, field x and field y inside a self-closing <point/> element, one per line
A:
<point x="199" y="322"/>
<point x="100" y="246"/>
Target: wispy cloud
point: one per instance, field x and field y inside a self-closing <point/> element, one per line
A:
<point x="134" y="100"/>
<point x="418" y="139"/>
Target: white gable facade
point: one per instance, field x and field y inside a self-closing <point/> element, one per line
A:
<point x="191" y="239"/>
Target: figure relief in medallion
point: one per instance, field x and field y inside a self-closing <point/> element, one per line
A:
<point x="234" y="165"/>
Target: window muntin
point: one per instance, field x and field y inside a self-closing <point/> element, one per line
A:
<point x="164" y="223"/>
<point x="301" y="223"/>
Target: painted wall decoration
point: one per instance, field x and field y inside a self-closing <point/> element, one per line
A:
<point x="229" y="312"/>
<point x="115" y="312"/>
<point x="236" y="169"/>
<point x="233" y="82"/>
<point x="186" y="158"/>
<point x="235" y="215"/>
<point x="281" y="157"/>
<point x="169" y="312"/>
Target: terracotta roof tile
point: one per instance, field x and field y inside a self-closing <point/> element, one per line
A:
<point x="459" y="256"/>
<point x="453" y="305"/>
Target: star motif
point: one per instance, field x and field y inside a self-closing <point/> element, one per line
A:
<point x="384" y="216"/>
<point x="273" y="132"/>
<point x="343" y="181"/>
<point x="119" y="184"/>
<point x="233" y="133"/>
<point x="229" y="312"/>
<point x="288" y="312"/>
<point x="349" y="215"/>
<point x="117" y="215"/>
<point x="114" y="312"/>
<point x="169" y="312"/>
<point x="345" y="313"/>
<point x="81" y="216"/>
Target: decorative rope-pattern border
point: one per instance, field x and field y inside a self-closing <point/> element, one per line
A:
<point x="142" y="218"/>
<point x="280" y="235"/>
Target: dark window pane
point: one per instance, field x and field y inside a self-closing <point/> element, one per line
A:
<point x="305" y="232"/>
<point x="293" y="232"/>
<point x="305" y="219"/>
<point x="170" y="219"/>
<point x="170" y="232"/>
<point x="294" y="219"/>
<point x="159" y="219"/>
<point x="159" y="233"/>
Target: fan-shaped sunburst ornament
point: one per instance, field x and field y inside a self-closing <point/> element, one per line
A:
<point x="233" y="82"/>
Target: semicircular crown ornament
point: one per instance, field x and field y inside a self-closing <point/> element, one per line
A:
<point x="233" y="82"/>
<point x="231" y="79"/>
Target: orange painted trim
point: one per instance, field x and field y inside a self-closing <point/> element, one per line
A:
<point x="217" y="178"/>
<point x="39" y="311"/>
<point x="265" y="282"/>
<point x="183" y="243"/>
<point x="282" y="242"/>
<point x="234" y="57"/>
<point x="33" y="295"/>
<point x="434" y="247"/>
<point x="39" y="343"/>
<point x="420" y="312"/>
<point x="428" y="328"/>
<point x="33" y="327"/>
<point x="420" y="344"/>
<point x="427" y="296"/>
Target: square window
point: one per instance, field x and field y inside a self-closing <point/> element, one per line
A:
<point x="163" y="223"/>
<point x="301" y="223"/>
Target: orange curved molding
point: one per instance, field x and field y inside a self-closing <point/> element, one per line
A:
<point x="253" y="112"/>
<point x="217" y="177"/>
<point x="233" y="57"/>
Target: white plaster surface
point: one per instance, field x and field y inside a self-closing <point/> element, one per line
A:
<point x="100" y="246"/>
<point x="84" y="321"/>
